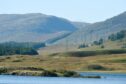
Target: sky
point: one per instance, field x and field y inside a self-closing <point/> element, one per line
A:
<point x="75" y="10"/>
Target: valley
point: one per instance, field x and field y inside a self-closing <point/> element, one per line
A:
<point x="62" y="41"/>
<point x="54" y="43"/>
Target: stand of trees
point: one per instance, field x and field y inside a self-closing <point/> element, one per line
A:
<point x="82" y="46"/>
<point x="117" y="36"/>
<point x="98" y="42"/>
<point x="12" y="48"/>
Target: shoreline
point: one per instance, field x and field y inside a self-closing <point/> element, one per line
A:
<point x="40" y="72"/>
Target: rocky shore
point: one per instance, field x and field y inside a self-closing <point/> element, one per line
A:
<point x="32" y="71"/>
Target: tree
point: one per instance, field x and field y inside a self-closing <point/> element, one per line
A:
<point x="83" y="46"/>
<point x="98" y="42"/>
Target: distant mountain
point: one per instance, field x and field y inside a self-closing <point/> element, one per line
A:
<point x="32" y="27"/>
<point x="97" y="30"/>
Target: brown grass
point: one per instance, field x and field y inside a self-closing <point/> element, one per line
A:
<point x="111" y="62"/>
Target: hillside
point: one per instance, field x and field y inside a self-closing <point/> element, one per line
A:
<point x="97" y="30"/>
<point x="32" y="27"/>
<point x="113" y="41"/>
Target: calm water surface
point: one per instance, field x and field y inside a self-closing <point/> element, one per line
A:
<point x="106" y="79"/>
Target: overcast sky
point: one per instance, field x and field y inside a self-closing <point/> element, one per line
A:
<point x="75" y="10"/>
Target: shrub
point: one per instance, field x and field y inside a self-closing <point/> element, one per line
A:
<point x="95" y="67"/>
<point x="68" y="73"/>
<point x="49" y="74"/>
<point x="8" y="58"/>
<point x="18" y="60"/>
<point x="3" y="70"/>
<point x="102" y="46"/>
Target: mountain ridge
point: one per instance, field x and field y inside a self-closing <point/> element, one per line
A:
<point x="32" y="27"/>
<point x="97" y="30"/>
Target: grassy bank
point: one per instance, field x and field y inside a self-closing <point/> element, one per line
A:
<point x="100" y="63"/>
